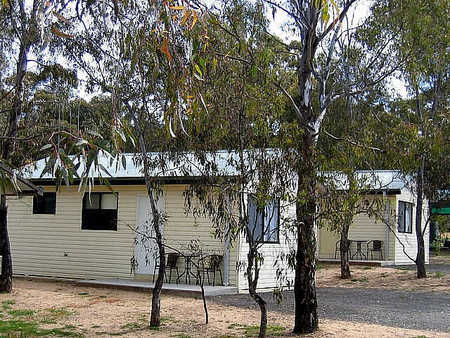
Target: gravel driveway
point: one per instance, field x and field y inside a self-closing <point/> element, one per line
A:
<point x="412" y="310"/>
<point x="430" y="268"/>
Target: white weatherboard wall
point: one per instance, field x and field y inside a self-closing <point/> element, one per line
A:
<point x="270" y="252"/>
<point x="56" y="246"/>
<point x="363" y="228"/>
<point x="410" y="240"/>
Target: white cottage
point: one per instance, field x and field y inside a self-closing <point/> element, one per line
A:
<point x="397" y="237"/>
<point x="68" y="234"/>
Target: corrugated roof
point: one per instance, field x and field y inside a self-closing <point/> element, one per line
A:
<point x="129" y="166"/>
<point x="375" y="180"/>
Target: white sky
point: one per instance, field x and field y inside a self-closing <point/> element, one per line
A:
<point x="360" y="11"/>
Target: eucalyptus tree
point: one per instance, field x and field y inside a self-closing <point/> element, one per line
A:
<point x="138" y="53"/>
<point x="422" y="26"/>
<point x="316" y="28"/>
<point x="232" y="134"/>
<point x="27" y="37"/>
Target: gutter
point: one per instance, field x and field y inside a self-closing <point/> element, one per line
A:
<point x="22" y="180"/>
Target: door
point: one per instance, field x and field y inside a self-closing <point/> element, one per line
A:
<point x="146" y="249"/>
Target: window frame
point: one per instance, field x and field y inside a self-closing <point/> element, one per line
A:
<point x="275" y="202"/>
<point x="36" y="204"/>
<point x="401" y="228"/>
<point x="84" y="226"/>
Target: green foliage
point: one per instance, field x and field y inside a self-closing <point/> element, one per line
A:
<point x="31" y="329"/>
<point x="439" y="274"/>
<point x="21" y="313"/>
<point x="253" y="331"/>
<point x="6" y="304"/>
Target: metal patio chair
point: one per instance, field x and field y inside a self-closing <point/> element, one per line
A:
<point x="375" y="246"/>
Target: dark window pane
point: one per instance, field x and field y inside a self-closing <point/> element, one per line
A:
<point x="405" y="217"/>
<point x="255" y="219"/>
<point x="100" y="212"/>
<point x="92" y="201"/>
<point x="45" y="204"/>
<point x="264" y="223"/>
<point x="408" y="217"/>
<point x="271" y="221"/>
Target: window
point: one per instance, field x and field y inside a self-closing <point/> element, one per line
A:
<point x="99" y="211"/>
<point x="264" y="222"/>
<point x="45" y="204"/>
<point x="405" y="217"/>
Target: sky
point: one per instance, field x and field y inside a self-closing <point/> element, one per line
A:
<point x="278" y="27"/>
<point x="359" y="12"/>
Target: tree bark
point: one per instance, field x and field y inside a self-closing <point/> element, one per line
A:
<point x="344" y="251"/>
<point x="21" y="68"/>
<point x="7" y="272"/>
<point x="306" y="319"/>
<point x="252" y="285"/>
<point x="155" y="315"/>
<point x="420" y="259"/>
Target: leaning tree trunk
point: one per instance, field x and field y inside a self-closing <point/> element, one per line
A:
<point x="6" y="277"/>
<point x="158" y="219"/>
<point x="306" y="319"/>
<point x="344" y="247"/>
<point x="155" y="316"/>
<point x="252" y="286"/>
<point x="420" y="259"/>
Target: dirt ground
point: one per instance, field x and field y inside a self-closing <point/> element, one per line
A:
<point x="72" y="310"/>
<point x="382" y="277"/>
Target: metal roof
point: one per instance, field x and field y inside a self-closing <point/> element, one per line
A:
<point x="129" y="166"/>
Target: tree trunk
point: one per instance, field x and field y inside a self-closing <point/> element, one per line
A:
<point x="263" y="309"/>
<point x="155" y="316"/>
<point x="306" y="319"/>
<point x="344" y="246"/>
<point x="11" y="133"/>
<point x="420" y="259"/>
<point x="158" y="219"/>
<point x="252" y="285"/>
<point x="6" y="277"/>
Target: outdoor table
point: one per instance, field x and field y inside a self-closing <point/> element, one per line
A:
<point x="187" y="273"/>
<point x="359" y="250"/>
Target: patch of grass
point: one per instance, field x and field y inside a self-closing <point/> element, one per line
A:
<point x="367" y="268"/>
<point x="253" y="330"/>
<point x="181" y="335"/>
<point x="95" y="326"/>
<point x="83" y="293"/>
<point x="21" y="313"/>
<point x="167" y="319"/>
<point x="403" y="268"/>
<point x="132" y="326"/>
<point x="60" y="312"/>
<point x="439" y="274"/>
<point x="31" y="329"/>
<point x="6" y="304"/>
<point x="52" y="315"/>
<point x="70" y="327"/>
